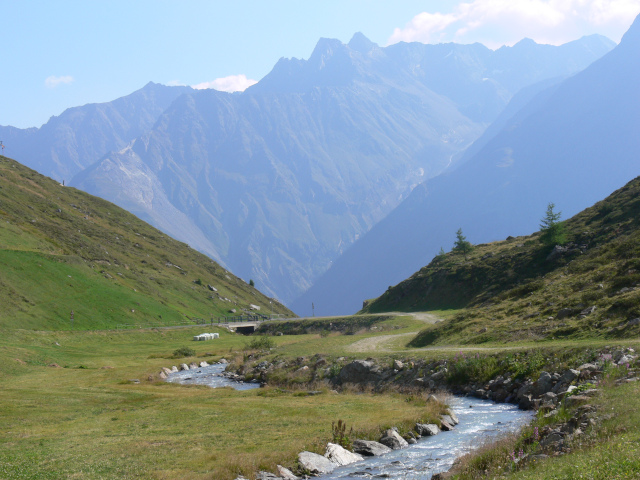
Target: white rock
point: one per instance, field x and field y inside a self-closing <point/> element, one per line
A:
<point x="285" y="473"/>
<point x="316" y="464"/>
<point x="341" y="456"/>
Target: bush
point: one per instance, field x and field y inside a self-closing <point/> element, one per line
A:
<point x="263" y="342"/>
<point x="184" y="352"/>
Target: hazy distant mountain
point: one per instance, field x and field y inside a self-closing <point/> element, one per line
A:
<point x="278" y="181"/>
<point x="80" y="136"/>
<point x="572" y="144"/>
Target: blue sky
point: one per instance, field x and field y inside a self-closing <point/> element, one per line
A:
<point x="61" y="54"/>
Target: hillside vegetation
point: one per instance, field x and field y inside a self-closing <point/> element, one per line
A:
<point x="62" y="250"/>
<point x="522" y="289"/>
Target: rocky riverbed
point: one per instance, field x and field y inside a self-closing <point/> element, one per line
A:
<point x="570" y="388"/>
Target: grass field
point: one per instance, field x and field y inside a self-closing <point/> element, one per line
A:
<point x="86" y="420"/>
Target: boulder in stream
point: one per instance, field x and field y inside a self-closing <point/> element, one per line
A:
<point x="393" y="440"/>
<point x="341" y="456"/>
<point x="315" y="464"/>
<point x="427" y="429"/>
<point x="285" y="473"/>
<point x="369" y="448"/>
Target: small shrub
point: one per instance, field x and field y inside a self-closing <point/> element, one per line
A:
<point x="339" y="434"/>
<point x="334" y="370"/>
<point x="184" y="352"/>
<point x="464" y="368"/>
<point x="522" y="366"/>
<point x="263" y="342"/>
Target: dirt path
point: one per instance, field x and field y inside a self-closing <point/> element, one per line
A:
<point x="388" y="343"/>
<point x="381" y="342"/>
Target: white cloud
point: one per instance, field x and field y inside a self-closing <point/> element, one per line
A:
<point x="232" y="83"/>
<point x="53" y="81"/>
<point x="504" y="22"/>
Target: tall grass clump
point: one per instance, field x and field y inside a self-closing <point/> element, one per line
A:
<point x="464" y="368"/>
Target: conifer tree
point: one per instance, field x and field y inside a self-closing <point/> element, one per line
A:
<point x="461" y="244"/>
<point x="552" y="229"/>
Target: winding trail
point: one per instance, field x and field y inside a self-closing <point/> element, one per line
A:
<point x="389" y="343"/>
<point x="381" y="343"/>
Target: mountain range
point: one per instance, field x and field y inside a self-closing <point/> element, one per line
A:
<point x="572" y="143"/>
<point x="277" y="182"/>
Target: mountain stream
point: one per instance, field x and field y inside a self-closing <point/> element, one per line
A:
<point x="480" y="421"/>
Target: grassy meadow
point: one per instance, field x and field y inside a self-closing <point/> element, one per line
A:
<point x="86" y="419"/>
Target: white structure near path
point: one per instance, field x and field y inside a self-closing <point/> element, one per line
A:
<point x="205" y="336"/>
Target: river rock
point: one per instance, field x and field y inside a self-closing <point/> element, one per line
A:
<point x="543" y="385"/>
<point x="554" y="440"/>
<point x="369" y="448"/>
<point x="446" y="424"/>
<point x="184" y="366"/>
<point x="626" y="359"/>
<point x="340" y="456"/>
<point x="174" y="369"/>
<point x="315" y="464"/>
<point x="359" y="371"/>
<point x="549" y="400"/>
<point x="393" y="440"/>
<point x="203" y="364"/>
<point x="525" y="402"/>
<point x="267" y="476"/>
<point x="162" y="376"/>
<point x="285" y="473"/>
<point x="453" y="417"/>
<point x="427" y="429"/>
<point x="166" y="371"/>
<point x="565" y="379"/>
<point x="193" y="365"/>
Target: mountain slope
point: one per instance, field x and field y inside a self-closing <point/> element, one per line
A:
<point x="62" y="250"/>
<point x="80" y="136"/>
<point x="277" y="181"/>
<point x="521" y="288"/>
<point x="572" y="145"/>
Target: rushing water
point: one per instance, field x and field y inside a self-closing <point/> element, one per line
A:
<point x="480" y="420"/>
<point x="210" y="376"/>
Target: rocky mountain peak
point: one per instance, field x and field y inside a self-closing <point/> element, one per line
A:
<point x="360" y="43"/>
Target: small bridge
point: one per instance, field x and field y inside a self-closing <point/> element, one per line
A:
<point x="245" y="324"/>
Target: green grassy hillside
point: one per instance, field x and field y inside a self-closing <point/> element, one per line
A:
<point x="62" y="250"/>
<point x="521" y="289"/>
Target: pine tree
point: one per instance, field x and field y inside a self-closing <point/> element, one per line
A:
<point x="552" y="229"/>
<point x="461" y="244"/>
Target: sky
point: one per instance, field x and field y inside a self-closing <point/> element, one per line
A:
<point x="56" y="55"/>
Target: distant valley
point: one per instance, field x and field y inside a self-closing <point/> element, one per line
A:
<point x="571" y="143"/>
<point x="277" y="182"/>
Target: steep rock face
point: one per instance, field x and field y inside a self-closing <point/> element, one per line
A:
<point x="80" y="136"/>
<point x="572" y="144"/>
<point x="279" y="185"/>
